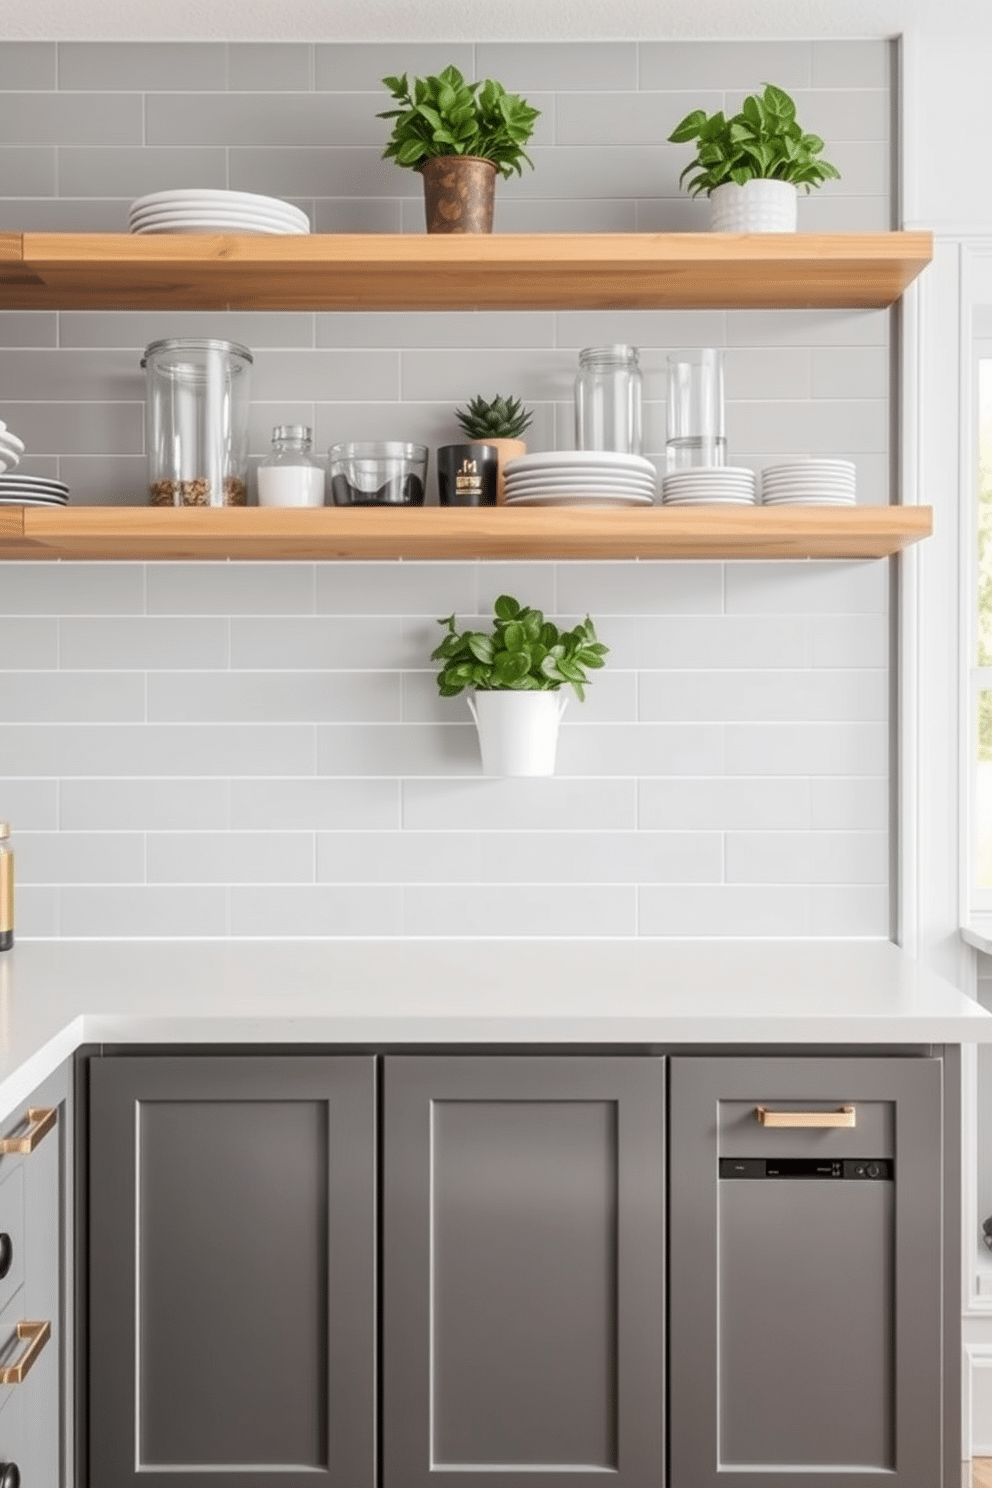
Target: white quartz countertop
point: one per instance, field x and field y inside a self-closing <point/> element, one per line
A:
<point x="56" y="995"/>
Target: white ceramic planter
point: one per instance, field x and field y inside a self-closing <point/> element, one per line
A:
<point x="755" y="207"/>
<point x="518" y="731"/>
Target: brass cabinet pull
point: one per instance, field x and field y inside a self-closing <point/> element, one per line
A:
<point x="844" y="1116"/>
<point x="37" y="1335"/>
<point x="41" y="1119"/>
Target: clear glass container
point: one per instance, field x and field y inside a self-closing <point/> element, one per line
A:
<point x="291" y="475"/>
<point x="196" y="422"/>
<point x="696" y="433"/>
<point x="378" y="473"/>
<point x="608" y="400"/>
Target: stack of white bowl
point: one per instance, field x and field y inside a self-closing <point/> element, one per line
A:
<point x="205" y="211"/>
<point x="710" y="485"/>
<point x="810" y="483"/>
<point x="580" y="478"/>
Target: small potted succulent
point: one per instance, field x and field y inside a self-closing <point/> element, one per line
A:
<point x="752" y="165"/>
<point x="498" y="422"/>
<point x="458" y="135"/>
<point x="517" y="669"/>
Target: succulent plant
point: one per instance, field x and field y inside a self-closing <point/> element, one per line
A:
<point x="501" y="418"/>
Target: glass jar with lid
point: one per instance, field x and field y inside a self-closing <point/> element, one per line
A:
<point x="608" y="400"/>
<point x="291" y="475"/>
<point x="196" y="421"/>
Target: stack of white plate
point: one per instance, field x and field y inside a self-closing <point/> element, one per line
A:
<point x="809" y="483"/>
<point x="11" y="449"/>
<point x="580" y="478"/>
<point x="32" y="490"/>
<point x="201" y="211"/>
<point x="710" y="485"/>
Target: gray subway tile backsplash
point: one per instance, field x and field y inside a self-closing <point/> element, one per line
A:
<point x="242" y="748"/>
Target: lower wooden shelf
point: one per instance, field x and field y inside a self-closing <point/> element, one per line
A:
<point x="149" y="533"/>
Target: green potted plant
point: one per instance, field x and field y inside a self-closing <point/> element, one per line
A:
<point x="459" y="135"/>
<point x="516" y="670"/>
<point x="499" y="422"/>
<point x="752" y="165"/>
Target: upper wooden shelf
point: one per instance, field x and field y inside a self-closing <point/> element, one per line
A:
<point x="148" y="533"/>
<point x="341" y="271"/>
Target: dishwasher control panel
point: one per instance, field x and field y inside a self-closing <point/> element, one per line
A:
<point x="858" y="1169"/>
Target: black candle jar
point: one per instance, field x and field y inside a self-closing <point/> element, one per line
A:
<point x="467" y="474"/>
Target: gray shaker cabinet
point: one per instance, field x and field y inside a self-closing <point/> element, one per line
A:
<point x="806" y="1274"/>
<point x="232" y="1271"/>
<point x="35" y="1315"/>
<point x="523" y="1271"/>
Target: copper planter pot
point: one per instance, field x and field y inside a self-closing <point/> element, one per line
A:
<point x="458" y="194"/>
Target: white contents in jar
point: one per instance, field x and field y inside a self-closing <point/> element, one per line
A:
<point x="290" y="485"/>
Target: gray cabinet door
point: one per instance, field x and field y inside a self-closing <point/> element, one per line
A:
<point x="35" y="1413"/>
<point x="232" y="1271"/>
<point x="523" y="1271"/>
<point x="806" y="1274"/>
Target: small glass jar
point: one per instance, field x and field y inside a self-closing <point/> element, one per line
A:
<point x="291" y="475"/>
<point x="196" y="422"/>
<point x="608" y="400"/>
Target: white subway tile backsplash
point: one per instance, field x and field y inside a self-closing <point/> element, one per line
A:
<point x="319" y="910"/>
<point x="716" y="910"/>
<point x="686" y="804"/>
<point x="74" y="697"/>
<point x="230" y="589"/>
<point x="259" y="749"/>
<point x="144" y="643"/>
<point x="27" y="644"/>
<point x="807" y="748"/>
<point x="484" y="804"/>
<point x="315" y="803"/>
<point x="782" y="588"/>
<point x="30" y="805"/>
<point x="163" y="803"/>
<point x="678" y="65"/>
<point x="230" y="857"/>
<point x="585" y="911"/>
<point x="152" y="911"/>
<point x="71" y="589"/>
<point x="819" y="857"/>
<point x="757" y="696"/>
<point x="273" y="697"/>
<point x="80" y="857"/>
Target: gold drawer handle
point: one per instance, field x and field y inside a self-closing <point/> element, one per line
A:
<point x="38" y="1335"/>
<point x="41" y="1119"/>
<point x="845" y="1116"/>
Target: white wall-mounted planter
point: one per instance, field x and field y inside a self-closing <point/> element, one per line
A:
<point x="755" y="207"/>
<point x="518" y="731"/>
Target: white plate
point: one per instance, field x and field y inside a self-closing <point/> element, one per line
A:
<point x="225" y="229"/>
<point x="570" y="459"/>
<point x="806" y="489"/>
<point x="703" y="500"/>
<point x="11" y="484"/>
<point x="840" y="467"/>
<point x="580" y="498"/>
<point x="812" y="501"/>
<point x="242" y="214"/>
<point x="29" y="501"/>
<point x="12" y="440"/>
<point x="672" y="483"/>
<point x="214" y="196"/>
<point x="10" y="458"/>
<point x="606" y="477"/>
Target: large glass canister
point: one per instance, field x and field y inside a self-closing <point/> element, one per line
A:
<point x="608" y="400"/>
<point x="196" y="422"/>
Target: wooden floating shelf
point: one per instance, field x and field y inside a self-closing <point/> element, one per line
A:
<point x="544" y="271"/>
<point x="261" y="533"/>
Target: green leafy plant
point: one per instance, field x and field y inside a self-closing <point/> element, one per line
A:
<point x="762" y="142"/>
<point x="502" y="418"/>
<point x="522" y="652"/>
<point x="445" y="115"/>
